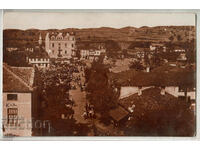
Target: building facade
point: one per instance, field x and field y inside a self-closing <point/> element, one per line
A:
<point x="92" y="54"/>
<point x="60" y="45"/>
<point x="39" y="62"/>
<point x="19" y="101"/>
<point x="176" y="91"/>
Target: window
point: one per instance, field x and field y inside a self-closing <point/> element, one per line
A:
<point x="65" y="44"/>
<point x="53" y="38"/>
<point x="11" y="96"/>
<point x="65" y="52"/>
<point x="72" y="45"/>
<point x="12" y="116"/>
<point x="52" y="45"/>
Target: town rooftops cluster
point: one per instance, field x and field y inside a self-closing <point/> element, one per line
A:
<point x="156" y="78"/>
<point x="17" y="79"/>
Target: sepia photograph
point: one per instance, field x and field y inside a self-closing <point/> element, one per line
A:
<point x="87" y="73"/>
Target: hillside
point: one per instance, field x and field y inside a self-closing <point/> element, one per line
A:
<point x="123" y="36"/>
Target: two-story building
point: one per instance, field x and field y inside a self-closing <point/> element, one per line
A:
<point x="92" y="53"/>
<point x="19" y="101"/>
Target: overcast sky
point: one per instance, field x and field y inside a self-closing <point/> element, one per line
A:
<point x="49" y="20"/>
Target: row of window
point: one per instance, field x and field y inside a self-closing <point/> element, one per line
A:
<point x="59" y="44"/>
<point x="12" y="118"/>
<point x="38" y="59"/>
<point x="53" y="51"/>
<point x="61" y="38"/>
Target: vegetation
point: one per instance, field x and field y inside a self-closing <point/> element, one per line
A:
<point x="112" y="48"/>
<point x="53" y="91"/>
<point x="137" y="65"/>
<point x="15" y="58"/>
<point x="99" y="92"/>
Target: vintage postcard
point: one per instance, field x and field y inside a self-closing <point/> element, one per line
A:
<point x="99" y="74"/>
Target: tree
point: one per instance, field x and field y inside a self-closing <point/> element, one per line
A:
<point x="99" y="92"/>
<point x="137" y="66"/>
<point x="179" y="38"/>
<point x="53" y="88"/>
<point x="112" y="48"/>
<point x="15" y="58"/>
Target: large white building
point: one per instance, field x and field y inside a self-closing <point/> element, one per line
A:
<point x="60" y="45"/>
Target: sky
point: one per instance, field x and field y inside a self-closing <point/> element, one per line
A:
<point x="61" y="20"/>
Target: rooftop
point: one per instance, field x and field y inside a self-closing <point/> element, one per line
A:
<point x="61" y="34"/>
<point x="17" y="79"/>
<point x="118" y="113"/>
<point x="161" y="76"/>
<point x="151" y="99"/>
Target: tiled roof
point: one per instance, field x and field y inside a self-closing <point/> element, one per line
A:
<point x="118" y="113"/>
<point x="159" y="77"/>
<point x="151" y="99"/>
<point x="17" y="79"/>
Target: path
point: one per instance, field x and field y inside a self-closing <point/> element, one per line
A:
<point x="79" y="98"/>
<point x="79" y="108"/>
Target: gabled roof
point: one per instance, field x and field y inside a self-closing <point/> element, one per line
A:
<point x="17" y="79"/>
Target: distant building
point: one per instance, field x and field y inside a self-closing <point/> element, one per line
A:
<point x="29" y="49"/>
<point x="180" y="84"/>
<point x="19" y="101"/>
<point x="179" y="50"/>
<point x="92" y="54"/>
<point x="60" y="45"/>
<point x="39" y="58"/>
<point x="182" y="57"/>
<point x="10" y="49"/>
<point x="182" y="60"/>
<point x="39" y="62"/>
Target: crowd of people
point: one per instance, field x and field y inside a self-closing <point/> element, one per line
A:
<point x="89" y="112"/>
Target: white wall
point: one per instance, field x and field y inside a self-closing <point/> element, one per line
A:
<point x="23" y="103"/>
<point x="130" y="90"/>
<point x="173" y="90"/>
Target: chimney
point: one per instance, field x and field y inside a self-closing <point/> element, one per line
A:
<point x="162" y="92"/>
<point x="139" y="90"/>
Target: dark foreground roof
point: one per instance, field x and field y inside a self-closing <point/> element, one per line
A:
<point x="17" y="79"/>
<point x="118" y="113"/>
<point x="151" y="99"/>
